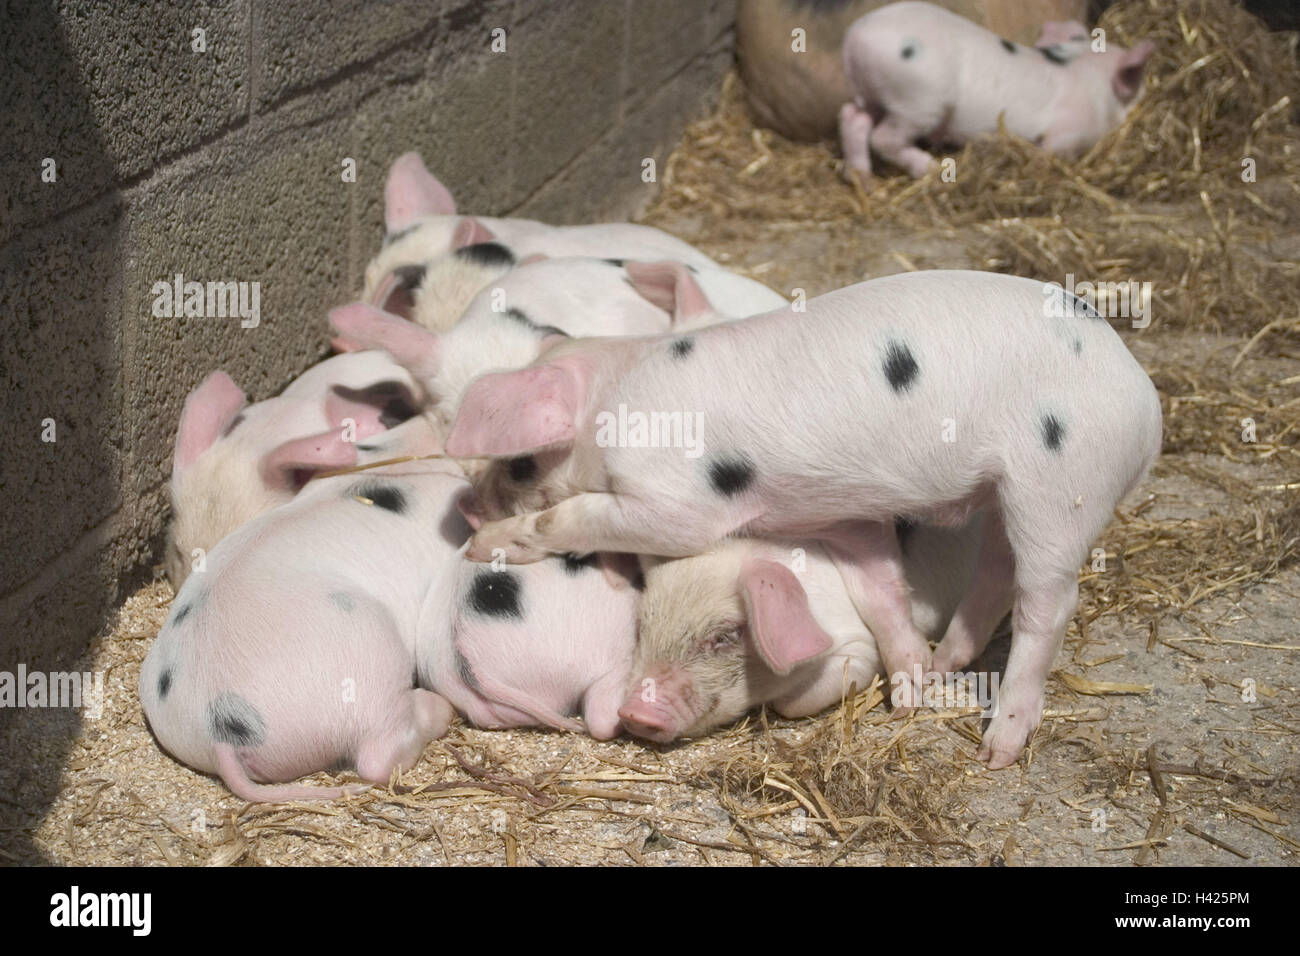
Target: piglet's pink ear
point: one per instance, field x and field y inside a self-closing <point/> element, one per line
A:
<point x="208" y="412"/>
<point x="470" y="232"/>
<point x="363" y="326"/>
<point x="1127" y="81"/>
<point x="669" y="286"/>
<point x="781" y="625"/>
<point x="291" y="465"/>
<point x="412" y="192"/>
<point x="514" y="413"/>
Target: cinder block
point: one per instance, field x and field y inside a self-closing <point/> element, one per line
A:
<point x="568" y="61"/>
<point x="719" y="17"/>
<point x="606" y="181"/>
<point x="663" y="36"/>
<point x="272" y="211"/>
<point x="49" y="622"/>
<point x="467" y="30"/>
<point x="296" y="45"/>
<point x="108" y="90"/>
<point x="60" y="295"/>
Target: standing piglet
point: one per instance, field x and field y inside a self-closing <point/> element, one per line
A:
<point x="929" y="395"/>
<point x="232" y="462"/>
<point x="920" y="72"/>
<point x="533" y="645"/>
<point x="295" y="650"/>
<point x="758" y="621"/>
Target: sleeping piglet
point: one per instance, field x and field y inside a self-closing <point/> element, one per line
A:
<point x="757" y="621"/>
<point x="433" y="257"/>
<point x="532" y="307"/>
<point x="294" y="651"/>
<point x="533" y="645"/>
<point x="232" y="462"/>
<point x="918" y="71"/>
<point x="929" y="395"/>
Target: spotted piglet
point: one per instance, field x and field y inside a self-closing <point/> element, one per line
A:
<point x="918" y="72"/>
<point x="295" y="650"/>
<point x="540" y="303"/>
<point x="535" y="645"/>
<point x="757" y="621"/>
<point x="233" y="462"/>
<point x="928" y="395"/>
<point x="434" y="261"/>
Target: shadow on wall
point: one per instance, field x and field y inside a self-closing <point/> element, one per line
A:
<point x="60" y="372"/>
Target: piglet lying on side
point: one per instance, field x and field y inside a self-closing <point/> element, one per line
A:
<point x="295" y="650"/>
<point x="929" y="395"/>
<point x="918" y="71"/>
<point x="233" y="462"/>
<point x="532" y="645"/>
<point x="430" y="247"/>
<point x="760" y="621"/>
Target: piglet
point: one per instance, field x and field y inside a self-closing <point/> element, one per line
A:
<point x="511" y="323"/>
<point x="425" y="235"/>
<point x="534" y="645"/>
<point x="232" y="462"/>
<point x="294" y="651"/>
<point x="757" y="621"/>
<point x="928" y="395"/>
<point x="918" y="71"/>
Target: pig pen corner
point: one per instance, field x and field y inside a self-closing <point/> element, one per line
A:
<point x="1171" y="731"/>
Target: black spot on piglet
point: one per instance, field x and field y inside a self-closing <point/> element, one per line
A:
<point x="900" y="366"/>
<point x="682" y="347"/>
<point x="908" y="51"/>
<point x="411" y="277"/>
<point x="389" y="497"/>
<point x="731" y="476"/>
<point x="1053" y="432"/>
<point x="491" y="254"/>
<point x="181" y="614"/>
<point x="1008" y="46"/>
<point x="233" y="720"/>
<point x="1053" y="55"/>
<point x="496" y="594"/>
<point x="164" y="684"/>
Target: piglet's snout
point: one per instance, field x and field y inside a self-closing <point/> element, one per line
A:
<point x="659" y="707"/>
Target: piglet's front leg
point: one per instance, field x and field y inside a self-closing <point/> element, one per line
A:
<point x="599" y="521"/>
<point x="871" y="564"/>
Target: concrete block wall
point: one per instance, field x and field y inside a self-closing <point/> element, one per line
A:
<point x="226" y="164"/>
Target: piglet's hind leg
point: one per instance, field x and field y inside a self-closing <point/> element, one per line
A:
<point x="427" y="717"/>
<point x="855" y="131"/>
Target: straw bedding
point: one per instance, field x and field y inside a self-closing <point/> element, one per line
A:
<point x="1171" y="734"/>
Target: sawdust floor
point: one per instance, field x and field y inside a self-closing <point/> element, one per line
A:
<point x="914" y="792"/>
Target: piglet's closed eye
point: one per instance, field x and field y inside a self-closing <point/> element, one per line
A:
<point x="780" y="622"/>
